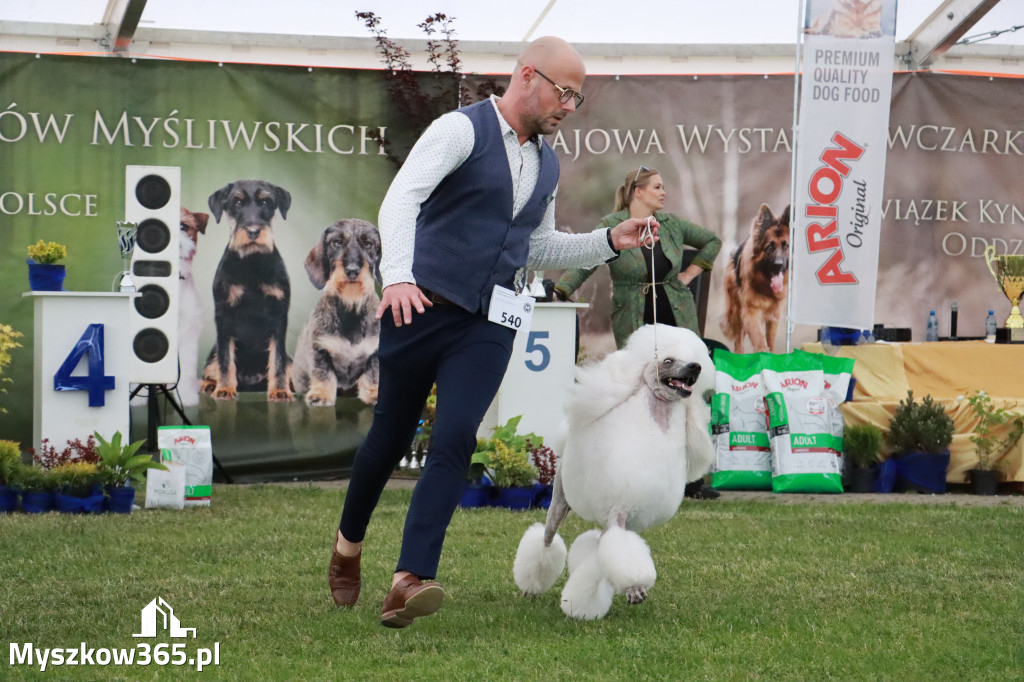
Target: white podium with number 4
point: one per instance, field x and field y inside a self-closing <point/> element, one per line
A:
<point x="539" y="375"/>
<point x="82" y="358"/>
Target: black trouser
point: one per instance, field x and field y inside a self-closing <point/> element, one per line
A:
<point x="466" y="355"/>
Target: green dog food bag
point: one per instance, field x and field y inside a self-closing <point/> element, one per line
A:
<point x="804" y="458"/>
<point x="739" y="427"/>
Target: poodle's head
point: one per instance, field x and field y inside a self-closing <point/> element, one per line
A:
<point x="678" y="367"/>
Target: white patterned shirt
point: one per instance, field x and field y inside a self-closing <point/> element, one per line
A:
<point x="442" y="148"/>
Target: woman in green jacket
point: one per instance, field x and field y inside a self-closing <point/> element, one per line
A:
<point x="640" y="196"/>
<point x="633" y="301"/>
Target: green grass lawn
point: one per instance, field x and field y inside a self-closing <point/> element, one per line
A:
<point x="746" y="590"/>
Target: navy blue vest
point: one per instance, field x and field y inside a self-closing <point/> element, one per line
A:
<point x="466" y="237"/>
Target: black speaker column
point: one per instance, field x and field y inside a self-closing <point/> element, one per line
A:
<point x="153" y="203"/>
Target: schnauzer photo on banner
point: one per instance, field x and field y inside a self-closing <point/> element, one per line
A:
<point x="845" y="94"/>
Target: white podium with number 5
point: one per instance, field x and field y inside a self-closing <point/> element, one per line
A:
<point x="539" y="375"/>
<point x="82" y="358"/>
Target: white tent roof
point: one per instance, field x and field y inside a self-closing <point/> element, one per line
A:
<point x="679" y="29"/>
<point x="586" y="21"/>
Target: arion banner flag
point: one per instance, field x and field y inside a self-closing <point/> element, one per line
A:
<point x="840" y="161"/>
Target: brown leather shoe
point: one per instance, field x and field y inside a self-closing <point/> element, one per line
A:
<point x="343" y="578"/>
<point x="410" y="599"/>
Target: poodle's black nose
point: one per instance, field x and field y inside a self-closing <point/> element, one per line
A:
<point x="690" y="373"/>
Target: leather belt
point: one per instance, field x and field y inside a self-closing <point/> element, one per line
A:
<point x="434" y="297"/>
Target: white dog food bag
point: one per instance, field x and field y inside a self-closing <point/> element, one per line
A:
<point x="838" y="374"/>
<point x="166" y="489"/>
<point x="743" y="456"/>
<point x="804" y="456"/>
<point x="191" y="446"/>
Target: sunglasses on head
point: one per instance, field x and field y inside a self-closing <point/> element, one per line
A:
<point x="639" y="170"/>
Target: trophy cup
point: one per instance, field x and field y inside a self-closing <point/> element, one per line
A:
<point x="126" y="240"/>
<point x="537" y="286"/>
<point x="1009" y="274"/>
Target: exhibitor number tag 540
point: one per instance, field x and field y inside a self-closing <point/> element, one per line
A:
<point x="510" y="309"/>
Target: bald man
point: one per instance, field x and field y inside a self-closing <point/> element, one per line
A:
<point x="471" y="209"/>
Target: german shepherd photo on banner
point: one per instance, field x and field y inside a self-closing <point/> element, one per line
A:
<point x="757" y="281"/>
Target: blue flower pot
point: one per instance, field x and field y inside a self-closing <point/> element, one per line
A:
<point x="45" y="276"/>
<point x="8" y="498"/>
<point x="924" y="472"/>
<point x="515" y="498"/>
<point x="90" y="503"/>
<point x="119" y="499"/>
<point x="474" y="496"/>
<point x="541" y="496"/>
<point x="36" y="501"/>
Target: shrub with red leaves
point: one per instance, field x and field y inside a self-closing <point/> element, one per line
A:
<point x="546" y="461"/>
<point x="76" y="451"/>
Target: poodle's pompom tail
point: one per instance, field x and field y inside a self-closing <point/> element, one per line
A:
<point x="626" y="559"/>
<point x="537" y="567"/>
<point x="587" y="593"/>
<point x="583" y="547"/>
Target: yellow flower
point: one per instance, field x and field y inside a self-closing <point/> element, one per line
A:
<point x="47" y="252"/>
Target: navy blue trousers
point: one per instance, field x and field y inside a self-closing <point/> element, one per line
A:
<point x="466" y="355"/>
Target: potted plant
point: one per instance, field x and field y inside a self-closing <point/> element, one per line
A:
<point x="545" y="461"/>
<point x="505" y="459"/>
<point x="861" y="444"/>
<point x="45" y="271"/>
<point x="919" y="435"/>
<point x="984" y="477"/>
<point x="8" y="343"/>
<point x="513" y="475"/>
<point x="10" y="474"/>
<point x="37" y="486"/>
<point x="479" y="486"/>
<point x="120" y="466"/>
<point x="77" y="489"/>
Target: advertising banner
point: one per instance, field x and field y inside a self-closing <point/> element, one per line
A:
<point x="723" y="145"/>
<point x="845" y="90"/>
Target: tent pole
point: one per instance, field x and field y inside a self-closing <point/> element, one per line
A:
<point x="792" y="174"/>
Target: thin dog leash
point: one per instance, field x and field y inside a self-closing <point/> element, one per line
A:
<point x="647" y="240"/>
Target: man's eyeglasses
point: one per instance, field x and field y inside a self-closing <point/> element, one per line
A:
<point x="639" y="170"/>
<point x="565" y="94"/>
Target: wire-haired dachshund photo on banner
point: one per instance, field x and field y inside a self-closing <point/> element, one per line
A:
<point x="337" y="349"/>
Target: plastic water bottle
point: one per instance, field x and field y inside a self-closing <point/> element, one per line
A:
<point x="933" y="327"/>
<point x="990" y="327"/>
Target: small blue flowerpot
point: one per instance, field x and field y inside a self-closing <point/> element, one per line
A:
<point x="91" y="503"/>
<point x="45" y="276"/>
<point x="474" y="496"/>
<point x="923" y="472"/>
<point x="541" y="496"/>
<point x="119" y="499"/>
<point x="36" y="501"/>
<point x="8" y="499"/>
<point x="515" y="498"/>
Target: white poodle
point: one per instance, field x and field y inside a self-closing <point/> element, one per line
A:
<point x="634" y="438"/>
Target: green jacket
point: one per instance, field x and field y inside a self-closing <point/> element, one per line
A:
<point x="629" y="274"/>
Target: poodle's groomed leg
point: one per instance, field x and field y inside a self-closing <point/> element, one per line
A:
<point x="557" y="511"/>
<point x="635" y="594"/>
<point x="626" y="561"/>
